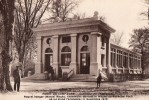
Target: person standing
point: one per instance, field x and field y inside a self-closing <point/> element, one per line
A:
<point x="51" y="73"/>
<point x="17" y="77"/>
<point x="99" y="80"/>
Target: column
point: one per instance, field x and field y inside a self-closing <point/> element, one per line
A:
<point x="38" y="68"/>
<point x="123" y="62"/>
<point x="109" y="57"/>
<point x="129" y="63"/>
<point x="95" y="65"/>
<point x="55" y="55"/>
<point x="73" y="64"/>
<point x="116" y="62"/>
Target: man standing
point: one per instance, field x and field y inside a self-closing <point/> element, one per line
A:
<point x="99" y="80"/>
<point x="16" y="76"/>
<point x="51" y="73"/>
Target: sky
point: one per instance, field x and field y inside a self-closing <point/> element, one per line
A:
<point x="122" y="15"/>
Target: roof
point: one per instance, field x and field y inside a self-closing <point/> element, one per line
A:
<point x="74" y="23"/>
<point x="124" y="49"/>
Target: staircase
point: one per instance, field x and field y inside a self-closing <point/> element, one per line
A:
<point x="83" y="78"/>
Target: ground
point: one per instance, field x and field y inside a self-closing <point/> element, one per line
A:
<point x="44" y="90"/>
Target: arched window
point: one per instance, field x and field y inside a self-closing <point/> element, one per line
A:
<point x="65" y="56"/>
<point x="66" y="49"/>
<point x="48" y="50"/>
<point x="84" y="48"/>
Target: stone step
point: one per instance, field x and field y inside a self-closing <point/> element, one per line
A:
<point x="39" y="76"/>
<point x="83" y="77"/>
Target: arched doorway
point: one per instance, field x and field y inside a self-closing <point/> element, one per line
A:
<point x="48" y="58"/>
<point x="84" y="60"/>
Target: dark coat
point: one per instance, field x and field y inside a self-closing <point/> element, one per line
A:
<point x="50" y="70"/>
<point x="16" y="75"/>
<point x="99" y="79"/>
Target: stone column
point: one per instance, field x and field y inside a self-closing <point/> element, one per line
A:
<point x="55" y="55"/>
<point x="116" y="62"/>
<point x="123" y="62"/>
<point x="109" y="57"/>
<point x="38" y="68"/>
<point x="73" y="64"/>
<point x="95" y="53"/>
<point x="128" y="63"/>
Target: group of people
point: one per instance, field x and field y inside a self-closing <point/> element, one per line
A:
<point x="17" y="77"/>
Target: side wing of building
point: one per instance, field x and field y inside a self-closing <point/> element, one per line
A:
<point x="124" y="61"/>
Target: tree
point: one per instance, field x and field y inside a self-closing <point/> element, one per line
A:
<point x="147" y="2"/>
<point x="61" y="9"/>
<point x="28" y="14"/>
<point x="146" y="13"/>
<point x="117" y="38"/>
<point x="140" y="43"/>
<point x="7" y="19"/>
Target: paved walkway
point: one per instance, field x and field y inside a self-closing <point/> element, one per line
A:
<point x="48" y="85"/>
<point x="43" y="88"/>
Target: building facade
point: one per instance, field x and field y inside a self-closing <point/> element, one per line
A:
<point x="82" y="47"/>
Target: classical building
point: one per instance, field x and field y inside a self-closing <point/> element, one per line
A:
<point x="82" y="47"/>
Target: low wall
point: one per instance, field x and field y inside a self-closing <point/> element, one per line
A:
<point x="124" y="77"/>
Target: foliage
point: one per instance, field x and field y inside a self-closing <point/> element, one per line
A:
<point x="29" y="66"/>
<point x="140" y="43"/>
<point x="146" y="13"/>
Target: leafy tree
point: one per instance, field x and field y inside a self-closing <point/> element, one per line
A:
<point x="7" y="19"/>
<point x="140" y="43"/>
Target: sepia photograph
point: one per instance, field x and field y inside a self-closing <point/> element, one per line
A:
<point x="74" y="49"/>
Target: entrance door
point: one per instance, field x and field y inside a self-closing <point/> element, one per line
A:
<point x="48" y="61"/>
<point x="85" y="63"/>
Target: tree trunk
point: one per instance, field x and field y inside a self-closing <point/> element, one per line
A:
<point x="7" y="17"/>
<point x="5" y="63"/>
<point x="2" y="85"/>
<point x="21" y="59"/>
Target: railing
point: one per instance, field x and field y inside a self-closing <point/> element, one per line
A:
<point x="66" y="75"/>
<point x="70" y="73"/>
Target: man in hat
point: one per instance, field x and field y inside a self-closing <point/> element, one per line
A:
<point x="17" y="76"/>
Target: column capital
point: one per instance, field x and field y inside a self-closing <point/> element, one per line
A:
<point x="55" y="36"/>
<point x="38" y="38"/>
<point x="96" y="33"/>
<point x="73" y="35"/>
